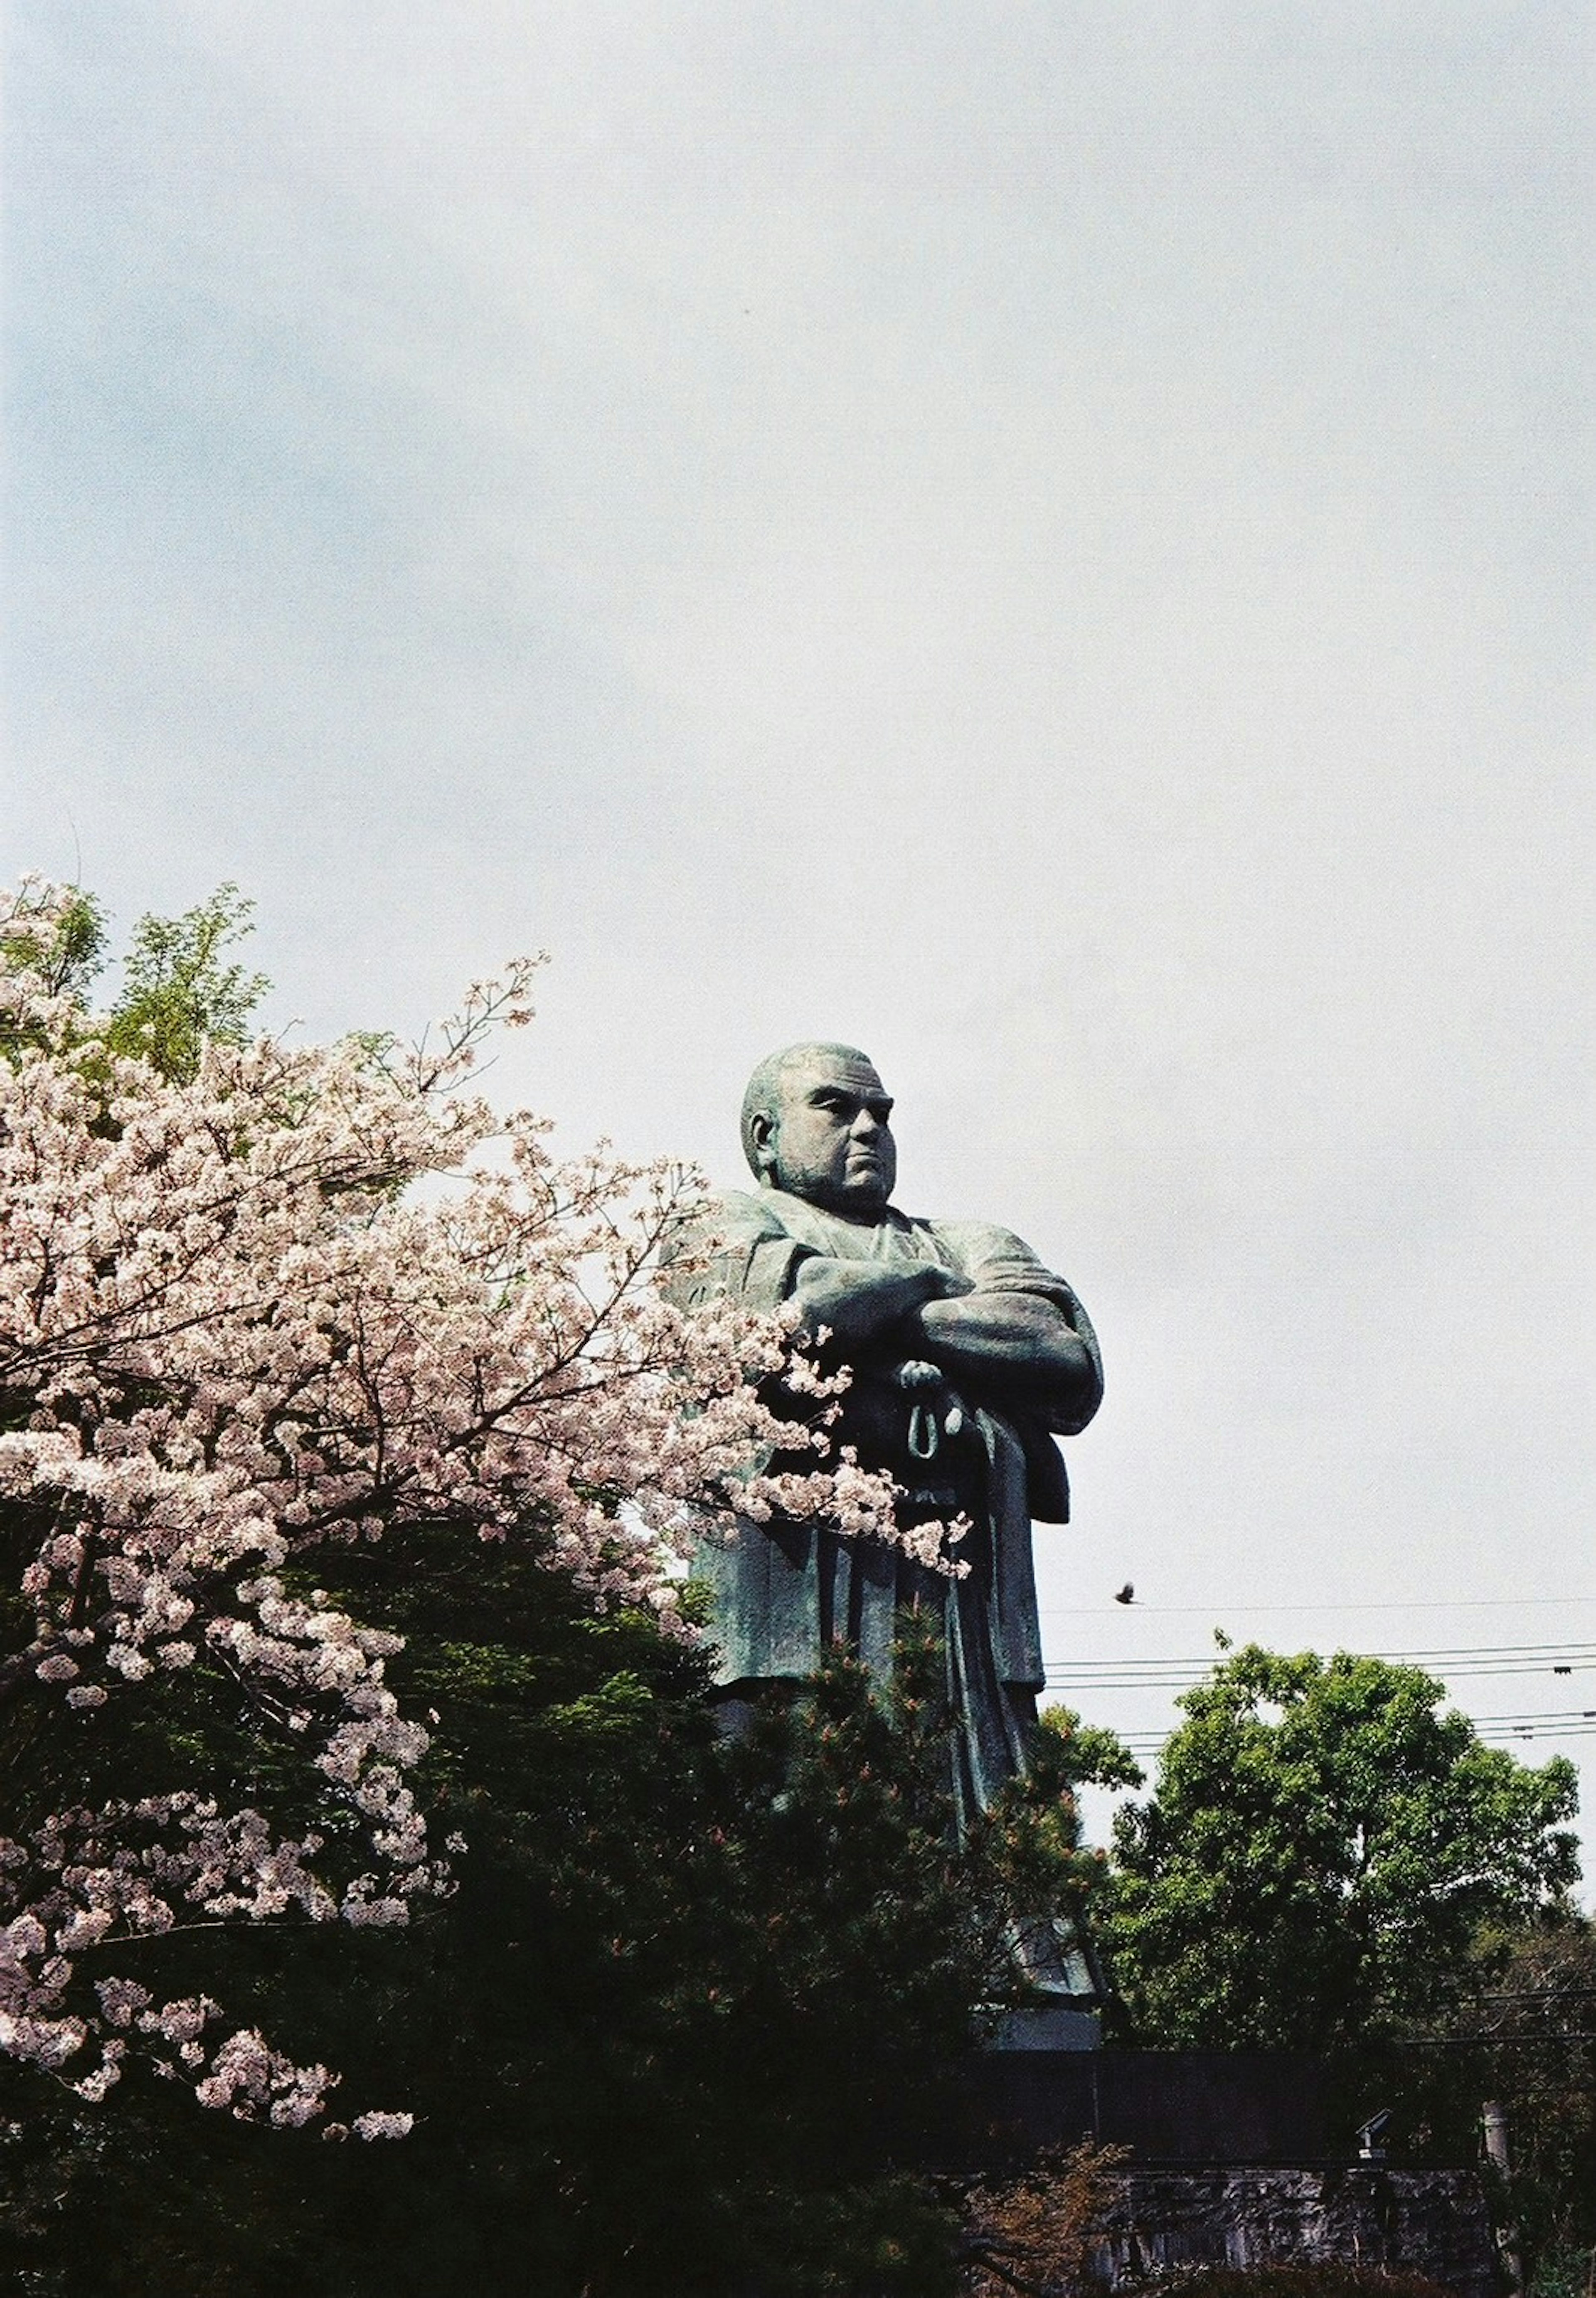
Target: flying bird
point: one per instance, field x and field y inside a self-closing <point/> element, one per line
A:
<point x="1125" y="1595"/>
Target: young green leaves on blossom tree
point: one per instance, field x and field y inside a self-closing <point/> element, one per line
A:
<point x="229" y="1342"/>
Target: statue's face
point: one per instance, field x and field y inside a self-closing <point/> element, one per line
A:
<point x="830" y="1141"/>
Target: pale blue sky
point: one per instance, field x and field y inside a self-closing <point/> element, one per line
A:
<point x="1052" y="541"/>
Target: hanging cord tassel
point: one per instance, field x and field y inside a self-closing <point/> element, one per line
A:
<point x="926" y="1431"/>
<point x="925" y="1437"/>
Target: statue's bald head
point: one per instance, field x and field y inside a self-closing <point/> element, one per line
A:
<point x="814" y="1123"/>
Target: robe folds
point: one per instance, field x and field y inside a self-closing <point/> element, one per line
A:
<point x="783" y="1590"/>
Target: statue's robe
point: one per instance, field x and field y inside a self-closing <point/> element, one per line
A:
<point x="783" y="1590"/>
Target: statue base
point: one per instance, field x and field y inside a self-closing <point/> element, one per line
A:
<point x="1066" y="2026"/>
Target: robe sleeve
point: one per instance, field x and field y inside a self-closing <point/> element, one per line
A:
<point x="738" y="1251"/>
<point x="996" y="1261"/>
<point x="762" y="1579"/>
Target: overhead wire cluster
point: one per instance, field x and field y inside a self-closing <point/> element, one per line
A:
<point x="1084" y="1679"/>
<point x="1500" y="1731"/>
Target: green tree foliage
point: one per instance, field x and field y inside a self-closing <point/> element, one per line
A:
<point x="64" y="944"/>
<point x="1522" y="2035"/>
<point x="691" y="2023"/>
<point x="179" y="987"/>
<point x="1538" y="2015"/>
<point x="1322" y="1847"/>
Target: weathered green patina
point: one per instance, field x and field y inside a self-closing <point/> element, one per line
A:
<point x="967" y="1357"/>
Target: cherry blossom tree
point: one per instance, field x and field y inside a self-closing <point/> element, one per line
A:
<point x="233" y="1338"/>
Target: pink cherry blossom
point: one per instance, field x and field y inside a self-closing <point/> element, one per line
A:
<point x="232" y="1333"/>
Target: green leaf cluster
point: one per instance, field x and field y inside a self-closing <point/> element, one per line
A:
<point x="1323" y="1847"/>
<point x="690" y="2022"/>
<point x="180" y="986"/>
<point x="1521" y="2034"/>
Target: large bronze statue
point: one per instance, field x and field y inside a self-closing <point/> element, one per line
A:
<point x="968" y="1357"/>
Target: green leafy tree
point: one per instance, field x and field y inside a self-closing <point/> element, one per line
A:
<point x="1323" y="1847"/>
<point x="61" y="940"/>
<point x="1539" y="2015"/>
<point x="1522" y="2035"/>
<point x="691" y="2023"/>
<point x="179" y="987"/>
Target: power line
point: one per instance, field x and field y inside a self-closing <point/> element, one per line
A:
<point x="1571" y="1719"/>
<point x="1087" y="1679"/>
<point x="1555" y="1723"/>
<point x="1461" y="1660"/>
<point x="1094" y="1687"/>
<point x="1583" y="1650"/>
<point x="1544" y="1716"/>
<point x="1330" y="1603"/>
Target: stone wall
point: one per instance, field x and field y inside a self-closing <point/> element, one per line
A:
<point x="1429" y="2222"/>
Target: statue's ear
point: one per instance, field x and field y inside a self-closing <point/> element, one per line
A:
<point x="762" y="1138"/>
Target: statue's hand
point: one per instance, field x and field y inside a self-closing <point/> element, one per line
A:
<point x="937" y="1410"/>
<point x="918" y="1374"/>
<point x="859" y="1303"/>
